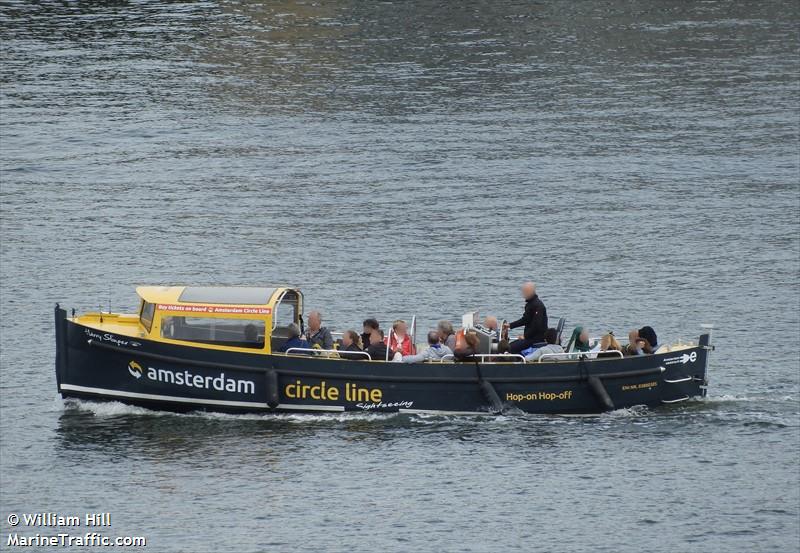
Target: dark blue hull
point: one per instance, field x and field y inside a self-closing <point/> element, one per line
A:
<point x="170" y="377"/>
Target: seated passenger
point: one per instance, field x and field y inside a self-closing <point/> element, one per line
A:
<point x="377" y="348"/>
<point x="251" y="334"/>
<point x="490" y="324"/>
<point x="400" y="340"/>
<point x="294" y="340"/>
<point x="369" y="325"/>
<point x="316" y="334"/>
<point x="637" y="345"/>
<point x="351" y="342"/>
<point x="649" y="334"/>
<point x="579" y="341"/>
<point x="608" y="345"/>
<point x="446" y="334"/>
<point x="551" y="337"/>
<point x="467" y="347"/>
<point x="434" y="352"/>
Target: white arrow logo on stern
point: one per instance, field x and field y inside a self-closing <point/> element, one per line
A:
<point x="135" y="369"/>
<point x="689" y="357"/>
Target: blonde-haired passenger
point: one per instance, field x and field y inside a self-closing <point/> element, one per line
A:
<point x="608" y="346"/>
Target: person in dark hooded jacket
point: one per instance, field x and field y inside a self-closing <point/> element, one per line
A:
<point x="649" y="334"/>
<point x="534" y="319"/>
<point x="642" y="341"/>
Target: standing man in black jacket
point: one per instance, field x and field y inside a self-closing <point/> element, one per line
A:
<point x="534" y="320"/>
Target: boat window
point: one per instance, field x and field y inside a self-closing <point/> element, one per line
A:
<point x="229" y="295"/>
<point x="286" y="314"/>
<point x="146" y="316"/>
<point x="286" y="311"/>
<point x="240" y="333"/>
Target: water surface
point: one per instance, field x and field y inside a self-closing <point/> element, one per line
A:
<point x="639" y="161"/>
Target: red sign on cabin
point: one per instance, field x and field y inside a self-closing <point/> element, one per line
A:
<point x="233" y="310"/>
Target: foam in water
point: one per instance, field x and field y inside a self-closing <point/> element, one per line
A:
<point x="115" y="409"/>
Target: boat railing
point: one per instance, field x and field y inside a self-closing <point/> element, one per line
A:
<point x="493" y="355"/>
<point x="329" y="351"/>
<point x="571" y="354"/>
<point x="482" y="356"/>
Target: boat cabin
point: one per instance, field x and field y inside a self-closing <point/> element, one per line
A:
<point x="251" y="319"/>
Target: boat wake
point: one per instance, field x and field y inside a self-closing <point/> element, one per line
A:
<point x="630" y="412"/>
<point x="105" y="409"/>
<point x="725" y="409"/>
<point x="729" y="398"/>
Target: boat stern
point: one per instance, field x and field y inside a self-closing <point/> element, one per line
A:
<point x="61" y="344"/>
<point x="685" y="371"/>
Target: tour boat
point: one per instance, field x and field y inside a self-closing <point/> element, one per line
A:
<point x="205" y="348"/>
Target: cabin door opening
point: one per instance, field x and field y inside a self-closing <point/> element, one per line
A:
<point x="288" y="310"/>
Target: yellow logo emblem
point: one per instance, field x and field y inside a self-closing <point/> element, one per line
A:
<point x="135" y="369"/>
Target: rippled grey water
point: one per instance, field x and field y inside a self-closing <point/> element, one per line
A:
<point x="638" y="160"/>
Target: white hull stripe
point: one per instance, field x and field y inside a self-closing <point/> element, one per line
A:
<point x="156" y="397"/>
<point x="295" y="407"/>
<point x="286" y="406"/>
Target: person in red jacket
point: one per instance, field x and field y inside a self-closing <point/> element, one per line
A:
<point x="399" y="340"/>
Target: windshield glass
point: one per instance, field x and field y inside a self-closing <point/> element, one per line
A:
<point x="242" y="333"/>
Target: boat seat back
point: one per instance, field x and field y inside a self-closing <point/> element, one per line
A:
<point x="560" y="327"/>
<point x="484" y="339"/>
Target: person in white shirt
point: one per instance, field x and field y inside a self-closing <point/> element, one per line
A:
<point x="434" y="352"/>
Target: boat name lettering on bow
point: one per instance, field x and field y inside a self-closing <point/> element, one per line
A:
<point x="108" y="338"/>
<point x="326" y="392"/>
<point x="546" y="396"/>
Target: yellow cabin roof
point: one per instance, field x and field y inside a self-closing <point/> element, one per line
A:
<point x="209" y="295"/>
